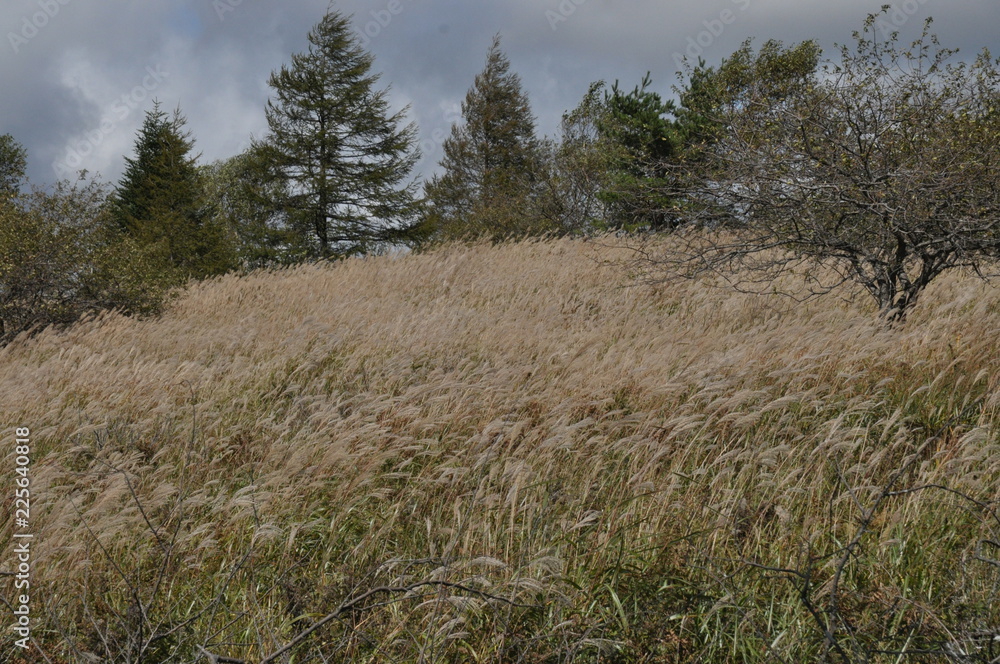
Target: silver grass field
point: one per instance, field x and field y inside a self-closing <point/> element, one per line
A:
<point x="530" y="454"/>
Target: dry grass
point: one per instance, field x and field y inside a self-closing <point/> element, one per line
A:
<point x="615" y="460"/>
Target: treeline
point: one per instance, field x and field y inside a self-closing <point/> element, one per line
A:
<point x="881" y="165"/>
<point x="332" y="178"/>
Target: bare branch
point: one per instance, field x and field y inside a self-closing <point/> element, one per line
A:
<point x="353" y="605"/>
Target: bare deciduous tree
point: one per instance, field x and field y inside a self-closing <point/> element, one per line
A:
<point x="882" y="165"/>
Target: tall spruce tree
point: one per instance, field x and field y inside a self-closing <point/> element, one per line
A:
<point x="494" y="164"/>
<point x="341" y="157"/>
<point x="159" y="202"/>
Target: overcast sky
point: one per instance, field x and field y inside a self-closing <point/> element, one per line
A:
<point x="77" y="75"/>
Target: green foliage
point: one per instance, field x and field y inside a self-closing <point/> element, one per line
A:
<point x="710" y="93"/>
<point x="768" y="76"/>
<point x="243" y="195"/>
<point x="60" y="258"/>
<point x="640" y="121"/>
<point x="615" y="157"/>
<point x="13" y="161"/>
<point x="160" y="205"/>
<point x="641" y="124"/>
<point x="338" y="158"/>
<point x="494" y="165"/>
<point x="617" y="164"/>
<point x="582" y="164"/>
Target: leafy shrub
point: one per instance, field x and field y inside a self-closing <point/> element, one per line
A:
<point x="60" y="259"/>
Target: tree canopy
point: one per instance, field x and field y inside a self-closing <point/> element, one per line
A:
<point x="13" y="161"/>
<point x="61" y="257"/>
<point x="642" y="126"/>
<point x="878" y="168"/>
<point x="159" y="202"/>
<point x="244" y="196"/>
<point x="493" y="163"/>
<point x="340" y="160"/>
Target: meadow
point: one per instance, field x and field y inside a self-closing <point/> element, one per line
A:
<point x="513" y="453"/>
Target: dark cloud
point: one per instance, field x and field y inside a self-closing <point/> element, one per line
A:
<point x="78" y="75"/>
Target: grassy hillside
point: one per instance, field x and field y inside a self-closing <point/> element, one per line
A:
<point x="528" y="456"/>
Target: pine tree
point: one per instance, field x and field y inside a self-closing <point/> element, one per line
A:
<point x="336" y="149"/>
<point x="641" y="124"/>
<point x="159" y="202"/>
<point x="493" y="162"/>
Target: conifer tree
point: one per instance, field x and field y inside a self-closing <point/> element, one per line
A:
<point x="640" y="123"/>
<point x="159" y="202"/>
<point x="493" y="162"/>
<point x="340" y="155"/>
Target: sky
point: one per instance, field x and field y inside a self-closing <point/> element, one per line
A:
<point x="77" y="76"/>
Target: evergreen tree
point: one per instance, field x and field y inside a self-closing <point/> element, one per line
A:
<point x="640" y="123"/>
<point x="339" y="156"/>
<point x="494" y="165"/>
<point x="159" y="202"/>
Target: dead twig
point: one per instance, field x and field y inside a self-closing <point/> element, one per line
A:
<point x="353" y="604"/>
